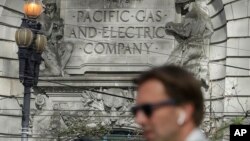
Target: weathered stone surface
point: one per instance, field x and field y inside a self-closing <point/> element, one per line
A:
<point x="2" y="2"/>
<point x="10" y="21"/>
<point x="244" y="49"/>
<point x="214" y="109"/>
<point x="215" y="7"/>
<point x="5" y="86"/>
<point x="233" y="47"/>
<point x="237" y="62"/>
<point x="10" y="126"/>
<point x="219" y="35"/>
<point x="17" y="89"/>
<point x="8" y="49"/>
<point x="219" y="20"/>
<point x="218" y="88"/>
<point x="237" y="86"/>
<point x="9" y="13"/>
<point x="218" y="51"/>
<point x="94" y="80"/>
<point x="236" y="105"/>
<point x="1" y="67"/>
<point x="217" y="107"/>
<point x="238" y="28"/>
<point x="229" y="12"/>
<point x="15" y="5"/>
<point x="217" y="70"/>
<point x="10" y="68"/>
<point x="238" y="47"/>
<point x="10" y="87"/>
<point x="7" y="33"/>
<point x="1" y="10"/>
<point x="240" y="9"/>
<point x="227" y="1"/>
<point x="5" y="105"/>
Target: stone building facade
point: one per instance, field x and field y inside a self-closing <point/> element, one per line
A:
<point x="227" y="53"/>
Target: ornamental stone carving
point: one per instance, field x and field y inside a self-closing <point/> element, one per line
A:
<point x="94" y="109"/>
<point x="58" y="51"/>
<point x="192" y="35"/>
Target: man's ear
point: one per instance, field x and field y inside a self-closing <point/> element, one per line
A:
<point x="181" y="117"/>
<point x="189" y="110"/>
<point x="185" y="113"/>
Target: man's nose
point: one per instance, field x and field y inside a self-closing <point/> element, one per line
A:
<point x="140" y="118"/>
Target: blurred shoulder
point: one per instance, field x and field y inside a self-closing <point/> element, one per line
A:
<point x="197" y="135"/>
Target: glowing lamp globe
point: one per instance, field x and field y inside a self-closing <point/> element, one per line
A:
<point x="41" y="43"/>
<point x="24" y="37"/>
<point x="33" y="8"/>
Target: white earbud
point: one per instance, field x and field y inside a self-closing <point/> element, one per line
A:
<point x="181" y="119"/>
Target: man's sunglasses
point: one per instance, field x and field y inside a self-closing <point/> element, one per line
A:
<point x="148" y="109"/>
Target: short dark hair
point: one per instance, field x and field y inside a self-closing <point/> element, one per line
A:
<point x="180" y="85"/>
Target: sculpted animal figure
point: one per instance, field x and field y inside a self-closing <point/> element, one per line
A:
<point x="58" y="52"/>
<point x="193" y="35"/>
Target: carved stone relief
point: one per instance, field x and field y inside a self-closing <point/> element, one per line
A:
<point x="192" y="34"/>
<point x="58" y="51"/>
<point x="121" y="3"/>
<point x="46" y="120"/>
<point x="94" y="109"/>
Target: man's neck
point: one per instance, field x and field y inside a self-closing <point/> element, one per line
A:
<point x="185" y="131"/>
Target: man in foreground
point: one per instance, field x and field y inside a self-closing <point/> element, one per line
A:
<point x="169" y="105"/>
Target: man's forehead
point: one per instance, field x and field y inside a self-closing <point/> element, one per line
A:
<point x="152" y="90"/>
<point x="151" y="85"/>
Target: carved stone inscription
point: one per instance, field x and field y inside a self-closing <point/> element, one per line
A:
<point x="117" y="32"/>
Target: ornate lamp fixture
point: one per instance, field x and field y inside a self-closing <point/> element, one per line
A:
<point x="31" y="43"/>
<point x="33" y="8"/>
<point x="24" y="37"/>
<point x="41" y="43"/>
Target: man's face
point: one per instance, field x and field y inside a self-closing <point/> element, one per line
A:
<point x="162" y="125"/>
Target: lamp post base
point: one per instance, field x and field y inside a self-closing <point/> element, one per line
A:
<point x="26" y="113"/>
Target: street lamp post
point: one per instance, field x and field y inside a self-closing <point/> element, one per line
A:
<point x="31" y="44"/>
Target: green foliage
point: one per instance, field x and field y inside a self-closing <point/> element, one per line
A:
<point x="80" y="129"/>
<point x="219" y="132"/>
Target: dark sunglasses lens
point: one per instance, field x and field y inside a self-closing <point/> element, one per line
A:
<point x="148" y="110"/>
<point x="134" y="110"/>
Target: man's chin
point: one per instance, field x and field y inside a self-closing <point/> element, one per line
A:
<point x="149" y="136"/>
<point x="149" y="139"/>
